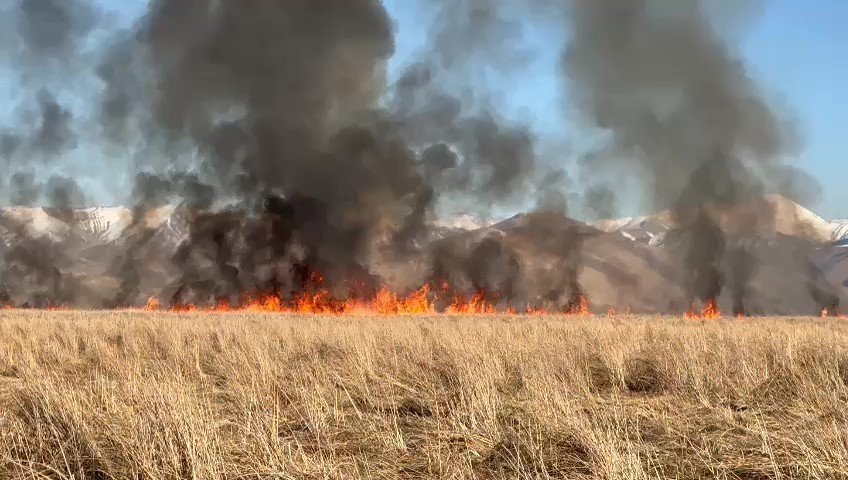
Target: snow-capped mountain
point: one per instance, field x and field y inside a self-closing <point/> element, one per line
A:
<point x="111" y="224"/>
<point x="103" y="223"/>
<point x="788" y="218"/>
<point x="839" y="229"/>
<point x="95" y="224"/>
<point x="649" y="229"/>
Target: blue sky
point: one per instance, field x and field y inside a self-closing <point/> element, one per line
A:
<point x="795" y="49"/>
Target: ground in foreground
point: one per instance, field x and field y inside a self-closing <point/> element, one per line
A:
<point x="134" y="395"/>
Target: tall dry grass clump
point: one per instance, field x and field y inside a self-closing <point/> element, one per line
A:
<point x="132" y="395"/>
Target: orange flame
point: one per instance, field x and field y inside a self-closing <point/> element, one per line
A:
<point x="384" y="302"/>
<point x="710" y="311"/>
<point x="581" y="307"/>
<point x="152" y="304"/>
<point x="476" y="305"/>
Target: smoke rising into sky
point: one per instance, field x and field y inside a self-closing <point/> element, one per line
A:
<point x="83" y="34"/>
<point x="287" y="112"/>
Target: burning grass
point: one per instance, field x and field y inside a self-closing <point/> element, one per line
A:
<point x="384" y="303"/>
<point x="251" y="395"/>
<point x="316" y="299"/>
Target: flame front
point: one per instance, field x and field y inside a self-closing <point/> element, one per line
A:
<point x="426" y="300"/>
<point x="385" y="302"/>
<point x="710" y="311"/>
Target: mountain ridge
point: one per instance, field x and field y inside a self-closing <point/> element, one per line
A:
<point x="621" y="264"/>
<point x="107" y="223"/>
<point x="787" y="218"/>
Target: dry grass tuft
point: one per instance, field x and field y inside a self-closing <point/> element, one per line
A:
<point x="132" y="395"/>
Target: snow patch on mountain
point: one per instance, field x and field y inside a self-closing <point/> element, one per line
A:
<point x="789" y="218"/>
<point x="461" y="221"/>
<point x="114" y="224"/>
<point x="839" y="229"/>
<point x="104" y="223"/>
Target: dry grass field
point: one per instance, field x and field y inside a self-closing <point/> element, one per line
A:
<point x="161" y="396"/>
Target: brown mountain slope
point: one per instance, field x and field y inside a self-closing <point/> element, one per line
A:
<point x="546" y="257"/>
<point x="614" y="272"/>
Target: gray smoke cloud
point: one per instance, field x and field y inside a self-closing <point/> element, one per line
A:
<point x="53" y="133"/>
<point x="42" y="43"/>
<point x="24" y="189"/>
<point x="681" y="110"/>
<point x="54" y="27"/>
<point x="291" y="163"/>
<point x="672" y="95"/>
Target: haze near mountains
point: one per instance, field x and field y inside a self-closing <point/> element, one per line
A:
<point x="626" y="264"/>
<point x="331" y="169"/>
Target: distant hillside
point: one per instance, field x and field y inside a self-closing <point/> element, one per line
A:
<point x="839" y="229"/>
<point x="621" y="264"/>
<point x="789" y="219"/>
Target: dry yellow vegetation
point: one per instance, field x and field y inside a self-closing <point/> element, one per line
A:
<point x="161" y="396"/>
